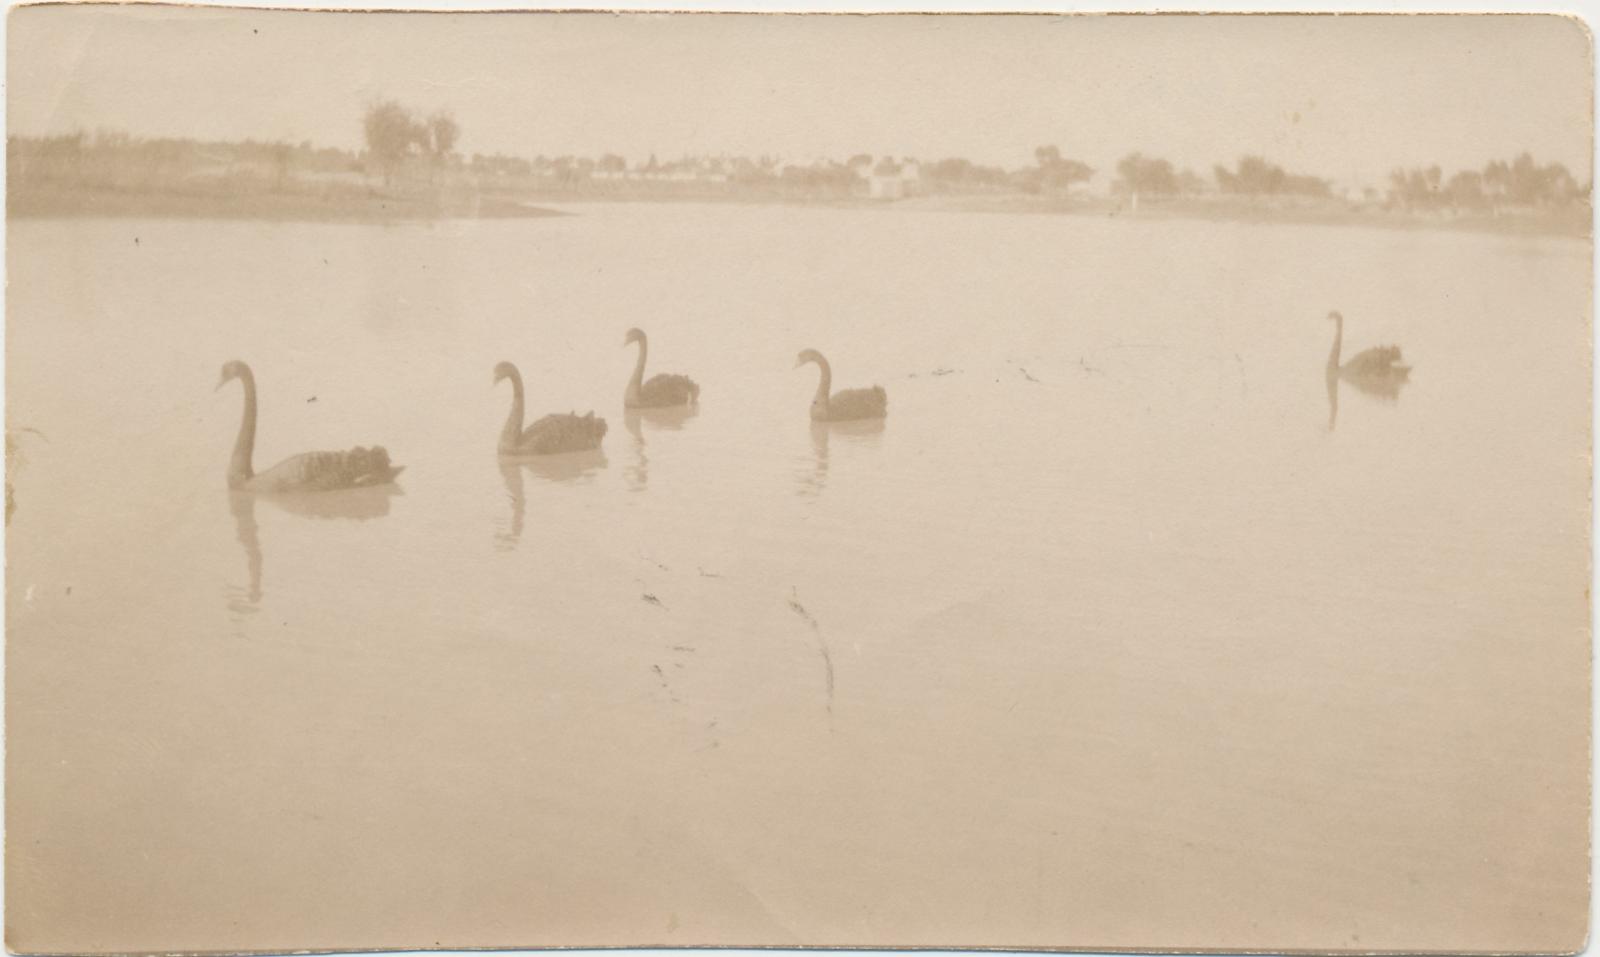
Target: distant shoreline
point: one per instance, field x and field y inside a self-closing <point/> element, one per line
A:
<point x="1568" y="224"/>
<point x="380" y="208"/>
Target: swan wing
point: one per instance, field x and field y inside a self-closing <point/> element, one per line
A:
<point x="667" y="389"/>
<point x="359" y="467"/>
<point x="870" y="403"/>
<point x="562" y="433"/>
<point x="1380" y="359"/>
<point x="1379" y="372"/>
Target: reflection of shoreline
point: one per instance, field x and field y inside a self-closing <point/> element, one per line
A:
<point x="1571" y="223"/>
<point x="66" y="202"/>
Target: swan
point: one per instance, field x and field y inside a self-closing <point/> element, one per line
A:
<point x="661" y="391"/>
<point x="551" y="434"/>
<point x="308" y="472"/>
<point x="846" y="404"/>
<point x="1379" y="371"/>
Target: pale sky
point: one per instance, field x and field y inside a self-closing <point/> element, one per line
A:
<point x="1346" y="97"/>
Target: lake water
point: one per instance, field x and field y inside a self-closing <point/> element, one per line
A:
<point x="1104" y="639"/>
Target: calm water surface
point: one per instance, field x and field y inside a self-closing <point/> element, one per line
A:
<point x="1105" y="634"/>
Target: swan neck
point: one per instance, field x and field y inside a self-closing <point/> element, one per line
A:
<point x="512" y="432"/>
<point x="825" y="383"/>
<point x="1338" y="342"/>
<point x="239" y="465"/>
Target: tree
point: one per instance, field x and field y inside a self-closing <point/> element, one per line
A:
<point x="390" y="133"/>
<point x="1061" y="174"/>
<point x="1141" y="175"/>
<point x="1255" y="176"/>
<point x="444" y="132"/>
<point x="282" y="155"/>
<point x="1465" y="190"/>
<point x="1053" y="174"/>
<point x="1416" y="188"/>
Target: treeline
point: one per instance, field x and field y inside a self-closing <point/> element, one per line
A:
<point x="1519" y="182"/>
<point x="410" y="154"/>
<point x="118" y="162"/>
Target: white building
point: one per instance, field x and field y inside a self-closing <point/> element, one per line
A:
<point x="892" y="180"/>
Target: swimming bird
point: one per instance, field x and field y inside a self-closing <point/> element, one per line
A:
<point x="661" y="391"/>
<point x="846" y="404"/>
<point x="551" y="434"/>
<point x="1379" y="371"/>
<point x="359" y="467"/>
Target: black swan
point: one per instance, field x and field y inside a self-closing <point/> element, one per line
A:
<point x="662" y="391"/>
<point x="308" y="472"/>
<point x="846" y="404"/>
<point x="1379" y="371"/>
<point x="550" y="435"/>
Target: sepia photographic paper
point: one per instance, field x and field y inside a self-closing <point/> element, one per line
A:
<point x="1038" y="482"/>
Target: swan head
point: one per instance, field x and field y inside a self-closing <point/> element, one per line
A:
<point x="809" y="355"/>
<point x="504" y="370"/>
<point x="1335" y="317"/>
<point x="232" y="369"/>
<point x="632" y="336"/>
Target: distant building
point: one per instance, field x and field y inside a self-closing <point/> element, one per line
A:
<point x="892" y="180"/>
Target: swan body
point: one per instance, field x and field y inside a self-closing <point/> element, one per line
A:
<point x="549" y="435"/>
<point x="1379" y="371"/>
<point x="846" y="404"/>
<point x="359" y="467"/>
<point x="661" y="391"/>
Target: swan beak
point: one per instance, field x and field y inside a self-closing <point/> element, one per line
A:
<point x="799" y="362"/>
<point x="220" y="383"/>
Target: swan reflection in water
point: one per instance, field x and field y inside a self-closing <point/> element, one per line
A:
<point x="565" y="468"/>
<point x="246" y="601"/>
<point x="814" y="478"/>
<point x="659" y="420"/>
<point x="1384" y="389"/>
<point x="360" y="504"/>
